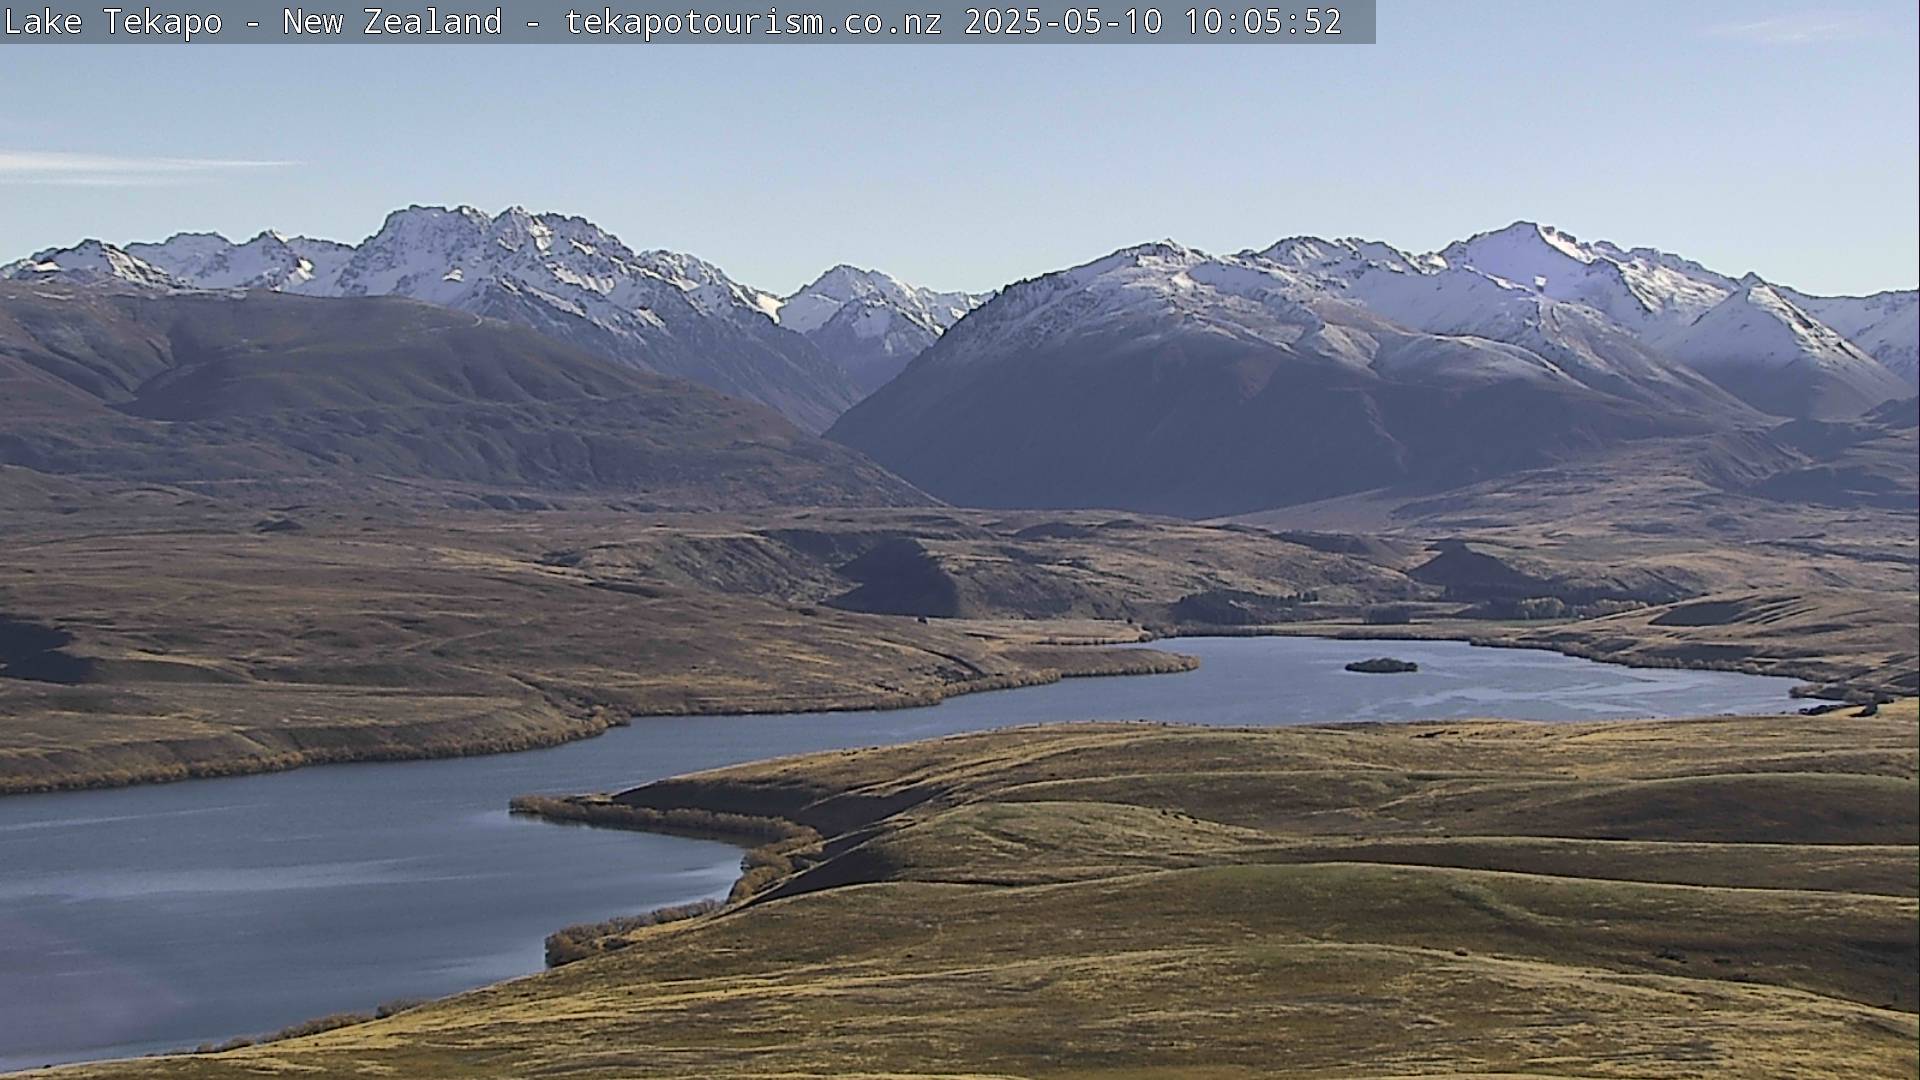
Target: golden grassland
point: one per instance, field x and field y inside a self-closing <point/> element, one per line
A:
<point x="198" y="652"/>
<point x="1730" y="897"/>
<point x="190" y="638"/>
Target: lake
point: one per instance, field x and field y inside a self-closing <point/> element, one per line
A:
<point x="156" y="918"/>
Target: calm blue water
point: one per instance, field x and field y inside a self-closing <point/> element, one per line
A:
<point x="156" y="918"/>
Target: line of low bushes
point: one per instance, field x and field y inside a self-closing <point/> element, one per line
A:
<point x="778" y="849"/>
<point x="315" y="1026"/>
<point x="582" y="940"/>
<point x="686" y="821"/>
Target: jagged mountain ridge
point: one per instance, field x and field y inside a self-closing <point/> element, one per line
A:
<point x="1597" y="303"/>
<point x="1640" y="288"/>
<point x="664" y="312"/>
<point x="1881" y="325"/>
<point x="1424" y="293"/>
<point x="1610" y="315"/>
<point x="90" y="262"/>
<point x="270" y="260"/>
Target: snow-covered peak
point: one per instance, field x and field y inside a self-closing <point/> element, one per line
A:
<point x="665" y="310"/>
<point x="434" y="253"/>
<point x="1420" y="292"/>
<point x="270" y="260"/>
<point x="1142" y="271"/>
<point x="877" y="292"/>
<point x="89" y="262"/>
<point x="1762" y="345"/>
<point x="845" y="282"/>
<point x="1276" y="306"/>
<point x="1526" y="249"/>
<point x="1641" y="289"/>
<point x="1610" y="317"/>
<point x="870" y="321"/>
<point x="1757" y="325"/>
<point x="1665" y="259"/>
<point x="1593" y="308"/>
<point x="1885" y="325"/>
<point x="1153" y="256"/>
<point x="423" y="245"/>
<point x="186" y="250"/>
<point x="444" y="255"/>
<point x="562" y="275"/>
<point x="1136" y="294"/>
<point x="1808" y="332"/>
<point x="1344" y="259"/>
<point x="1505" y="275"/>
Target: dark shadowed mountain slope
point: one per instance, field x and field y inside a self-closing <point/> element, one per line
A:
<point x="267" y="389"/>
<point x="665" y="312"/>
<point x="1166" y="380"/>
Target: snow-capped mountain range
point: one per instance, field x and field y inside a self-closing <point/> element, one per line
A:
<point x="1165" y="379"/>
<point x="271" y="260"/>
<point x="91" y="262"/>
<point x="663" y="311"/>
<point x="1598" y="305"/>
<point x="1639" y="321"/>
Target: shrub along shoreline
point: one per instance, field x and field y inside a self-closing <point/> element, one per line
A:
<point x="775" y="847"/>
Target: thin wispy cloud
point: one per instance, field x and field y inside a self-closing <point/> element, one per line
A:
<point x="88" y="180"/>
<point x="1803" y="28"/>
<point x="109" y="170"/>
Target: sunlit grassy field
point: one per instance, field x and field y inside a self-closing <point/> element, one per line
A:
<point x="1722" y="897"/>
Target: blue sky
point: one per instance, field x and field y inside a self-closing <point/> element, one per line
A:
<point x="1776" y="137"/>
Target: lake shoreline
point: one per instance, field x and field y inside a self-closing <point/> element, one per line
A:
<point x="1856" y="855"/>
<point x="574" y="722"/>
<point x="586" y="720"/>
<point x="1818" y="683"/>
<point x="316" y="819"/>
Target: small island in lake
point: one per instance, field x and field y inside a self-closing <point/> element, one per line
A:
<point x="1383" y="665"/>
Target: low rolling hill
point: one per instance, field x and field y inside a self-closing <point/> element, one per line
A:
<point x="1729" y="897"/>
